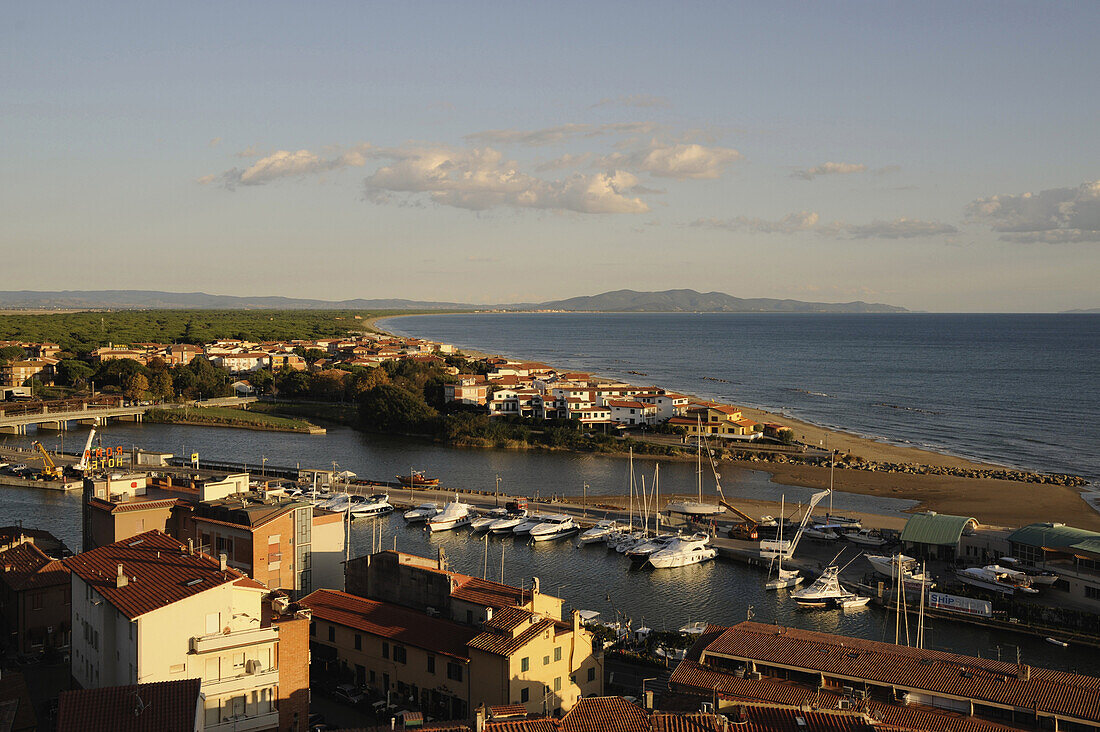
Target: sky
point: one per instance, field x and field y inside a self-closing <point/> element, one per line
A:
<point x="939" y="156"/>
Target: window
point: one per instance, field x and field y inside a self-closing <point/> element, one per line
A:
<point x="557" y="653"/>
<point x="373" y="678"/>
<point x="238" y="661"/>
<point x="358" y="642"/>
<point x="454" y="671"/>
<point x="332" y="633"/>
<point x="546" y="660"/>
<point x="431" y="664"/>
<point x="313" y="628"/>
<point x="36" y="600"/>
<point x="524" y="694"/>
<point x="557" y="683"/>
<point x="385" y="649"/>
<point x="591" y="673"/>
<point x="399" y="654"/>
<point x="524" y="664"/>
<point x="469" y="617"/>
<point x="1092" y="593"/>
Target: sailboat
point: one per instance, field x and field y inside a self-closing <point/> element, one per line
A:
<point x="784" y="577"/>
<point x="697" y="508"/>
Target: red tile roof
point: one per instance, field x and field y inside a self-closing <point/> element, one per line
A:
<point x="524" y="725"/>
<point x="390" y="621"/>
<point x="165" y="706"/>
<point x="625" y="405"/>
<point x="26" y="567"/>
<point x="16" y="705"/>
<point x="503" y="644"/>
<point x="607" y="714"/>
<point x="1046" y="691"/>
<point x="159" y="572"/>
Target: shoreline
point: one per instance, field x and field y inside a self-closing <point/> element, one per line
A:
<point x="998" y="502"/>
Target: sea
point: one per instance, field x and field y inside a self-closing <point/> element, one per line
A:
<point x="1016" y="390"/>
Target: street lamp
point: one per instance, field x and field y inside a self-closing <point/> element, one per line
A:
<point x="584" y="500"/>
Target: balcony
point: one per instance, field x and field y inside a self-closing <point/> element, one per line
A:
<point x="243" y="682"/>
<point x="244" y="724"/>
<point x="221" y="641"/>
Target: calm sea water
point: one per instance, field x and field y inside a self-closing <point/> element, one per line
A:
<point x="1018" y="390"/>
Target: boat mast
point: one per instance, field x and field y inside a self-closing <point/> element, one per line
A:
<point x="631" y="514"/>
<point x="782" y="549"/>
<point x="656" y="500"/>
<point x="699" y="456"/>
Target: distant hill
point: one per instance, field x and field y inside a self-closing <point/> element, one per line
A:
<point x="155" y="300"/>
<point x="1082" y="311"/>
<point x="674" y="301"/>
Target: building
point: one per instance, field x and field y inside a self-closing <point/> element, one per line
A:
<point x="163" y="706"/>
<point x="18" y="373"/>
<point x="34" y="599"/>
<point x="151" y="609"/>
<point x="15" y="701"/>
<point x="897" y="686"/>
<point x="936" y="535"/>
<point x="491" y="643"/>
<point x="467" y="389"/>
<point x="632" y="412"/>
<point x="716" y="420"/>
<point x="1073" y="553"/>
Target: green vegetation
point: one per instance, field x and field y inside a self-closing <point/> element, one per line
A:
<point x="226" y="417"/>
<point x="83" y="332"/>
<point x="345" y="414"/>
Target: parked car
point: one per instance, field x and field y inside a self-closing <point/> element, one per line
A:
<point x="348" y="694"/>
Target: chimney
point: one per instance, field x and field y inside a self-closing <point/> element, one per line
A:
<point x="223" y="559"/>
<point x="120" y="578"/>
<point x="479" y="719"/>
<point x="190" y="546"/>
<point x="1025" y="672"/>
<point x="534" y="586"/>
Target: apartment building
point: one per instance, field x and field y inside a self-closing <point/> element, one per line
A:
<point x="632" y="412"/>
<point x="151" y="609"/>
<point x="467" y="389"/>
<point x="509" y="645"/>
<point x="34" y="599"/>
<point x="17" y="373"/>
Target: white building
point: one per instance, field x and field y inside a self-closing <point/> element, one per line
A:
<point x="632" y="412"/>
<point x="150" y="609"/>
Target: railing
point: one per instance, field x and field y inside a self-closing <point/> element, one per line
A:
<point x="218" y="641"/>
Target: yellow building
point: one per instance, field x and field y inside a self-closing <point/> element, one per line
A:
<point x="719" y="420"/>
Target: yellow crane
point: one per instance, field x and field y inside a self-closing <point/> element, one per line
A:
<point x="49" y="467"/>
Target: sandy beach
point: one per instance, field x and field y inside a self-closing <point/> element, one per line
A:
<point x="992" y="502"/>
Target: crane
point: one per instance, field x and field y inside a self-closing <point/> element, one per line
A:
<point x="82" y="464"/>
<point x="49" y="467"/>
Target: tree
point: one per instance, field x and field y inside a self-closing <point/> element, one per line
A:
<point x="135" y="386"/>
<point x="327" y="386"/>
<point x="786" y="436"/>
<point x="390" y="408"/>
<point x="261" y="380"/>
<point x="364" y="380"/>
<point x="160" y="385"/>
<point x="11" y="353"/>
<point x="73" y="373"/>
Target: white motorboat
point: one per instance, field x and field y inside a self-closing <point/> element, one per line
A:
<point x="554" y="527"/>
<point x="683" y="551"/>
<point x="524" y="527"/>
<point x="367" y="506"/>
<point x="853" y="601"/>
<point x="505" y="524"/>
<point x="423" y="512"/>
<point x="825" y="591"/>
<point x="1038" y="577"/>
<point x="338" y="502"/>
<point x="643" y="548"/>
<point x="453" y="515"/>
<point x="866" y="537"/>
<point x="482" y="523"/>
<point x="999" y="579"/>
<point x="821" y="532"/>
<point x="784" y="578"/>
<point x="697" y="628"/>
<point x="911" y="575"/>
<point x="599" y="532"/>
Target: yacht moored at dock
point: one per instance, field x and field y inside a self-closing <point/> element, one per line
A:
<point x="554" y="527"/>
<point x="453" y="515"/>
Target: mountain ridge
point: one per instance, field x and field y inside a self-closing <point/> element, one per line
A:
<point x="680" y="300"/>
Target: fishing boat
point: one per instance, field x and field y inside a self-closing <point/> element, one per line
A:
<point x="367" y="506"/>
<point x="453" y="515"/>
<point x="866" y="537"/>
<point x="554" y="527"/>
<point x="417" y="479"/>
<point x="599" y="532"/>
<point x="824" y="592"/>
<point x="999" y="579"/>
<point x="483" y="522"/>
<point x="423" y="512"/>
<point x="505" y="524"/>
<point x="683" y="551"/>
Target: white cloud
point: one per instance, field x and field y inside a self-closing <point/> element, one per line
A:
<point x="633" y="100"/>
<point x="286" y="164"/>
<point x="679" y="161"/>
<point x="901" y="228"/>
<point x="829" y="169"/>
<point x="481" y="178"/>
<point x="1053" y="216"/>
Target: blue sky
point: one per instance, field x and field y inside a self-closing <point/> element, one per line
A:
<point x="939" y="156"/>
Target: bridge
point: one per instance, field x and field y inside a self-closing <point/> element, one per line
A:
<point x="57" y="415"/>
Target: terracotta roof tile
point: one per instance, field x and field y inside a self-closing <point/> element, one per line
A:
<point x="607" y="714"/>
<point x="506" y="645"/>
<point x="394" y="622"/>
<point x="165" y="706"/>
<point x="25" y="567"/>
<point x="1044" y="690"/>
<point x="158" y="568"/>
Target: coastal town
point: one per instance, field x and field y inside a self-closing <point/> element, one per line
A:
<point x="232" y="599"/>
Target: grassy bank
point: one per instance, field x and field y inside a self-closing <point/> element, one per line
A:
<point x="228" y="417"/>
<point x="344" y="414"/>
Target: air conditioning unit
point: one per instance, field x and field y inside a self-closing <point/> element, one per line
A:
<point x="253" y="667"/>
